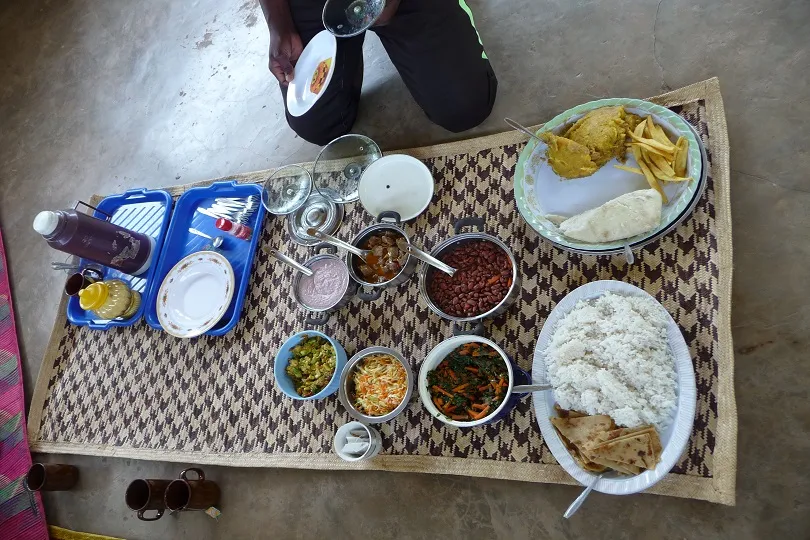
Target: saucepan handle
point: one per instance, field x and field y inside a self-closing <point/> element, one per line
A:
<point x="469" y="222"/>
<point x="390" y="214"/>
<point x="523" y="382"/>
<point x="477" y="330"/>
<point x="369" y="296"/>
<point x="317" y="321"/>
<point x="155" y="518"/>
<point x="200" y="473"/>
<point x="325" y="246"/>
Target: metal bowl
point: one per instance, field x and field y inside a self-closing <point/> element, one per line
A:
<point x="410" y="262"/>
<point x="346" y="381"/>
<point x="427" y="272"/>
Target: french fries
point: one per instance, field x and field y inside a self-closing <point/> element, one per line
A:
<point x="658" y="158"/>
<point x="682" y="149"/>
<point x="634" y="170"/>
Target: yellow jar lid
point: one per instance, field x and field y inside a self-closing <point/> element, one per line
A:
<point x="93" y="296"/>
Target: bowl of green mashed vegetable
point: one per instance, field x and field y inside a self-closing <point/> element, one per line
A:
<point x="308" y="365"/>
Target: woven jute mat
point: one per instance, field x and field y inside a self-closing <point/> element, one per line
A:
<point x="139" y="393"/>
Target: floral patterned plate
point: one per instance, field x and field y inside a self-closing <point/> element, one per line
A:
<point x="195" y="294"/>
<point x="540" y="193"/>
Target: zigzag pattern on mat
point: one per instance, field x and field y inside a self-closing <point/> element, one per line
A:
<point x="142" y="388"/>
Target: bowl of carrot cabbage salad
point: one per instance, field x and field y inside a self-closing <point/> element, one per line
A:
<point x="376" y="385"/>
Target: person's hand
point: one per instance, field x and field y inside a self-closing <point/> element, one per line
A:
<point x="285" y="49"/>
<point x="388" y="12"/>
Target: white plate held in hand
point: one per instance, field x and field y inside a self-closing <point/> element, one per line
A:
<point x="195" y="294"/>
<point x="300" y="97"/>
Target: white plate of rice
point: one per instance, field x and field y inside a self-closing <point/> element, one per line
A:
<point x="632" y="364"/>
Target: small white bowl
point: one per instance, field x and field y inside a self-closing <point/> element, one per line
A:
<point x="374" y="440"/>
<point x="399" y="183"/>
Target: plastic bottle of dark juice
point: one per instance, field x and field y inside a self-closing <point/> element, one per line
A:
<point x="96" y="240"/>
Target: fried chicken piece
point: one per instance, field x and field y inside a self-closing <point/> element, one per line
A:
<point x="567" y="158"/>
<point x="603" y="131"/>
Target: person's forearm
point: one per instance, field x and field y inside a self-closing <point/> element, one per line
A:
<point x="277" y="13"/>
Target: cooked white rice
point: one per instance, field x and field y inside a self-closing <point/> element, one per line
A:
<point x="611" y="356"/>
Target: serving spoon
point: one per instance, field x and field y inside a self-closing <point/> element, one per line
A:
<point x="320" y="235"/>
<point x="523" y="129"/>
<point x="277" y="255"/>
<point x="582" y="496"/>
<point x="364" y="253"/>
<point x="521" y="388"/>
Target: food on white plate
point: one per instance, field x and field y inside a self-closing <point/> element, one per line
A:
<point x="659" y="159"/>
<point x="380" y="384"/>
<point x="569" y="159"/>
<point x="593" y="140"/>
<point x="623" y="217"/>
<point x="597" y="444"/>
<point x="611" y="356"/>
<point x="319" y="77"/>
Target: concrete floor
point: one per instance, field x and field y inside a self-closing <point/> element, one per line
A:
<point x="98" y="97"/>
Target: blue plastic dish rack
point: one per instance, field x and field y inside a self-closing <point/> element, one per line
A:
<point x="180" y="242"/>
<point x="139" y="210"/>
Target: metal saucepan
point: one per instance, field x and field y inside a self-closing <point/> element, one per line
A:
<point x="427" y="273"/>
<point x="519" y="381"/>
<point x="347" y="386"/>
<point x="320" y="314"/>
<point x="354" y="261"/>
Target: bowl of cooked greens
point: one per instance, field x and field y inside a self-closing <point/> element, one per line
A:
<point x="308" y="365"/>
<point x="376" y="385"/>
<point x="466" y="381"/>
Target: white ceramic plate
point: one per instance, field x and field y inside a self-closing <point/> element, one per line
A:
<point x="195" y="294"/>
<point x="673" y="439"/>
<point x="300" y="97"/>
<point x="397" y="182"/>
<point x="539" y="192"/>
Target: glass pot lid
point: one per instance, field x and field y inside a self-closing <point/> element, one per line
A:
<point x="318" y="212"/>
<point x="286" y="190"/>
<point x="339" y="166"/>
<point x="347" y="18"/>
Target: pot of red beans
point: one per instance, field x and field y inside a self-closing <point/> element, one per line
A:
<point x="466" y="381"/>
<point x="486" y="282"/>
<point x="390" y="262"/>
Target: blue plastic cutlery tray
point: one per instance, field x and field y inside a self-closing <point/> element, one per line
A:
<point x="181" y="242"/>
<point x="139" y="210"/>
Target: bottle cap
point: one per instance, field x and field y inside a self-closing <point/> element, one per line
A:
<point x="224" y="224"/>
<point x="45" y="222"/>
<point x="93" y="296"/>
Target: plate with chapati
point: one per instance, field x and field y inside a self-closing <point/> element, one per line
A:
<point x="624" y="394"/>
<point x="608" y="174"/>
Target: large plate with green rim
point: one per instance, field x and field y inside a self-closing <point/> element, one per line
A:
<point x="540" y="193"/>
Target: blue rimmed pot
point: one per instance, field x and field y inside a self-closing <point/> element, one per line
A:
<point x="517" y="377"/>
<point x="285" y="383"/>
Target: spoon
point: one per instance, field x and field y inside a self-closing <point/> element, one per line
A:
<point x="521" y="388"/>
<point x="582" y="496"/>
<point x="523" y="129"/>
<point x="362" y="253"/>
<point x="628" y="254"/>
<point x="65" y="266"/>
<point x="431" y="260"/>
<point x="291" y="262"/>
<point x="215" y="241"/>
